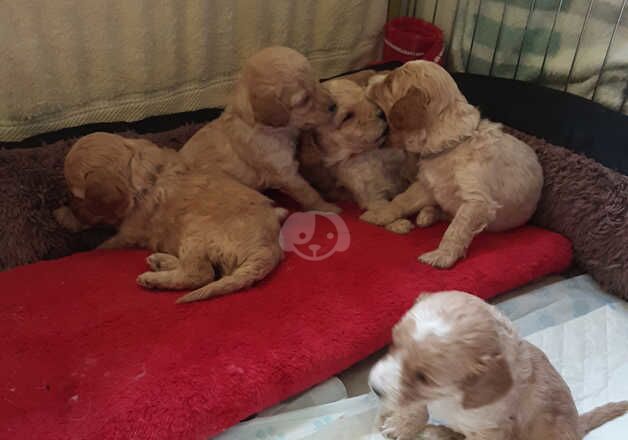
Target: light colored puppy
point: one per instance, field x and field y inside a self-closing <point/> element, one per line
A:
<point x="468" y="167"/>
<point x="254" y="140"/>
<point x="342" y="158"/>
<point x="200" y="225"/>
<point x="461" y="360"/>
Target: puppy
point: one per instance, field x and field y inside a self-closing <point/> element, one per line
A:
<point x="461" y="360"/>
<point x="469" y="168"/>
<point x="198" y="224"/>
<point x="254" y="140"/>
<point x="342" y="159"/>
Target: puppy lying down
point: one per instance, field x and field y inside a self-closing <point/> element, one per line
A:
<point x="469" y="169"/>
<point x="462" y="360"/>
<point x="254" y="140"/>
<point x="200" y="225"/>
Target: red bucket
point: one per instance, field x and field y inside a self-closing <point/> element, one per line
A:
<point x="408" y="38"/>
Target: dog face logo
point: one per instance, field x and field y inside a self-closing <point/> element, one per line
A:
<point x="314" y="235"/>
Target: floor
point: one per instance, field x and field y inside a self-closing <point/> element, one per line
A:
<point x="355" y="378"/>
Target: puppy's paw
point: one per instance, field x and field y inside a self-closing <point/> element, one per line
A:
<point x="281" y="213"/>
<point x="325" y="207"/>
<point x="427" y="216"/>
<point x="383" y="216"/>
<point x="402" y="427"/>
<point x="401" y="226"/>
<point x="159" y="261"/>
<point x="439" y="258"/>
<point x="432" y="432"/>
<point x="149" y="280"/>
<point x="65" y="217"/>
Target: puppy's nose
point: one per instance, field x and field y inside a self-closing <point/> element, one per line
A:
<point x="332" y="108"/>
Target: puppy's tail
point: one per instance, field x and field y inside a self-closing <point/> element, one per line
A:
<point x="253" y="269"/>
<point x="600" y="415"/>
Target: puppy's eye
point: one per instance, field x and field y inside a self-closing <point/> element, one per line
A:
<point x="420" y="377"/>
<point x="349" y="116"/>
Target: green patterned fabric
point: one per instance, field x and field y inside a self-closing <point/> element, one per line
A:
<point x="542" y="39"/>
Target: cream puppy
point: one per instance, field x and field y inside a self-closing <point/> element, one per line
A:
<point x="254" y="140"/>
<point x="469" y="168"/>
<point x="343" y="158"/>
<point x="200" y="225"/>
<point x="461" y="360"/>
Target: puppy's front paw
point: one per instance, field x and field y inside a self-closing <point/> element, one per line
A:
<point x="325" y="207"/>
<point x="401" y="226"/>
<point x="439" y="258"/>
<point x="149" y="280"/>
<point x="383" y="216"/>
<point x="402" y="427"/>
<point x="65" y="217"/>
<point x="427" y="216"/>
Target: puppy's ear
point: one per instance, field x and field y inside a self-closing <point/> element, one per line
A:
<point x="409" y="112"/>
<point x="490" y="381"/>
<point x="268" y="108"/>
<point x="106" y="193"/>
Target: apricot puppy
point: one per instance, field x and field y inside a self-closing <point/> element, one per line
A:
<point x="201" y="225"/>
<point x="254" y="140"/>
<point x="470" y="170"/>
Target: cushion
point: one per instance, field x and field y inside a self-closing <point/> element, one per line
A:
<point x="88" y="354"/>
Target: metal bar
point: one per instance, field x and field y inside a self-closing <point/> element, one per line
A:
<point x="499" y="37"/>
<point x="414" y="9"/>
<point x="523" y="39"/>
<point x="435" y="11"/>
<point x="549" y="40"/>
<point x="575" y="54"/>
<point x="608" y="49"/>
<point x="451" y="31"/>
<point x="475" y="28"/>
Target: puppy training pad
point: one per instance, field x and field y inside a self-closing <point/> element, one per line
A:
<point x="87" y="354"/>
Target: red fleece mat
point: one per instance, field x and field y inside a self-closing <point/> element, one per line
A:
<point x="88" y="355"/>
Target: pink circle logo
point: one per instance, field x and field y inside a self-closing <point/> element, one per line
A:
<point x="314" y="235"/>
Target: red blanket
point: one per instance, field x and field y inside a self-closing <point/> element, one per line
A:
<point x="86" y="354"/>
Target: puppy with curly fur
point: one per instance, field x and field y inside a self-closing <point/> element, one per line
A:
<point x="342" y="158"/>
<point x="345" y="154"/>
<point x="460" y="360"/>
<point x="254" y="140"/>
<point x="199" y="224"/>
<point x="469" y="168"/>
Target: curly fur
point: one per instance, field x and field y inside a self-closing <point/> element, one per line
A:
<point x="468" y="167"/>
<point x="254" y="140"/>
<point x="199" y="225"/>
<point x="461" y="359"/>
<point x="342" y="158"/>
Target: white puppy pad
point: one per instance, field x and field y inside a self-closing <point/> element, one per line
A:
<point x="591" y="354"/>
